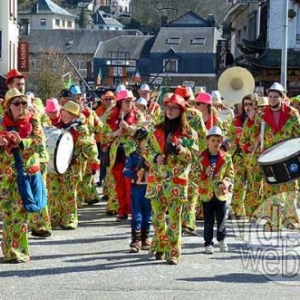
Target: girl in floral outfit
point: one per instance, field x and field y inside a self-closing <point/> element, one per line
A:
<point x="170" y="164"/>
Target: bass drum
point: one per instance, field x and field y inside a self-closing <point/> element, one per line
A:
<point x="281" y="162"/>
<point x="60" y="146"/>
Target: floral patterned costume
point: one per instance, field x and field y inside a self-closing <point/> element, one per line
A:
<point x="63" y="189"/>
<point x="194" y="119"/>
<point x="168" y="189"/>
<point x="284" y="194"/>
<point x="87" y="188"/>
<point x="15" y="218"/>
<point x="240" y="173"/>
<point x="119" y="148"/>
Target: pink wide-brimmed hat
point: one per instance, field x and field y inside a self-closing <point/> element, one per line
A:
<point x="125" y="94"/>
<point x="204" y="98"/>
<point x="52" y="105"/>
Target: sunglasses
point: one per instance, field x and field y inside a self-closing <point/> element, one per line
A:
<point x="199" y="104"/>
<point x="18" y="103"/>
<point x="108" y="99"/>
<point x="248" y="104"/>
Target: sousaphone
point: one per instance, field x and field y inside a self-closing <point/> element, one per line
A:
<point x="234" y="84"/>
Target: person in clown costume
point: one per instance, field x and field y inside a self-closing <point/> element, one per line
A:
<point x="214" y="175"/>
<point x="39" y="221"/>
<point x="251" y="150"/>
<point x="210" y="119"/>
<point x="63" y="189"/>
<point x="87" y="191"/>
<point x="119" y="126"/>
<point x="171" y="149"/>
<point x="27" y="138"/>
<point x="194" y="119"/>
<point x="249" y="103"/>
<point x="276" y="123"/>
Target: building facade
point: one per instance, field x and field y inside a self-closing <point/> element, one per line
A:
<point x="261" y="53"/>
<point x="9" y="35"/>
<point x="45" y="14"/>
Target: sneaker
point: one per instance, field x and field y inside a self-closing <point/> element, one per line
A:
<point x="146" y="244"/>
<point x="209" y="249"/>
<point x="223" y="246"/>
<point x="135" y="246"/>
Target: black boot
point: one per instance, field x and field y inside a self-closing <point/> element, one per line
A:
<point x="136" y="244"/>
<point x="146" y="242"/>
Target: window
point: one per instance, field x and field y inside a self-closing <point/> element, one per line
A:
<point x="173" y="41"/>
<point x="81" y="65"/>
<point x="43" y="22"/>
<point x="69" y="24"/>
<point x="34" y="64"/>
<point x="63" y="23"/>
<point x="170" y="65"/>
<point x="198" y="41"/>
<point x="24" y="22"/>
<point x="57" y="23"/>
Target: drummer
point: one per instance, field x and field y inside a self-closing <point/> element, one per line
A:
<point x="63" y="191"/>
<point x="276" y="123"/>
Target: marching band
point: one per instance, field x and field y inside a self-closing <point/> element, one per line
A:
<point x="193" y="157"/>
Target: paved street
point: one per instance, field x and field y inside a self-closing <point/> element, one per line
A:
<point x="93" y="263"/>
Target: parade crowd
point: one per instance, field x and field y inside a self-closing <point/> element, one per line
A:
<point x="191" y="158"/>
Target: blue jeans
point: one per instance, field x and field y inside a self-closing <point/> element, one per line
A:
<point x="214" y="209"/>
<point x="140" y="209"/>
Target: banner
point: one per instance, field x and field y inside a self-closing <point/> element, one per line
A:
<point x="222" y="46"/>
<point x="23" y="57"/>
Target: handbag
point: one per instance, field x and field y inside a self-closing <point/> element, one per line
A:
<point x="31" y="186"/>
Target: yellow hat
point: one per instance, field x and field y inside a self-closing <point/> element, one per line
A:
<point x="72" y="107"/>
<point x="13" y="93"/>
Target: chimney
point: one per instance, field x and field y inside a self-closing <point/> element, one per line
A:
<point x="211" y="20"/>
<point x="164" y="20"/>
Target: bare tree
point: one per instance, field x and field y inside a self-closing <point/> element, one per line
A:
<point x="47" y="81"/>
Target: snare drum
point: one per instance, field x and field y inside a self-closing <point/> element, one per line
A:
<point x="60" y="146"/>
<point x="281" y="162"/>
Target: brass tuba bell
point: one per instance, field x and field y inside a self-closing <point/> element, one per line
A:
<point x="234" y="84"/>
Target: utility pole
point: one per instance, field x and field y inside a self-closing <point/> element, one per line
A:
<point x="285" y="30"/>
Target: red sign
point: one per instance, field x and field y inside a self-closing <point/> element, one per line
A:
<point x="23" y="57"/>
